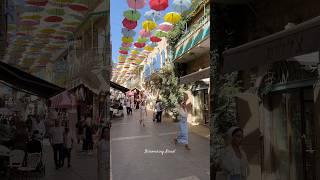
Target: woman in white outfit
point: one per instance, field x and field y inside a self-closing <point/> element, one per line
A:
<point x="182" y="138"/>
<point x="103" y="155"/>
<point x="143" y="112"/>
<point x="234" y="160"/>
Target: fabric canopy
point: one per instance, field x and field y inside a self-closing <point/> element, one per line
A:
<point x="27" y="82"/>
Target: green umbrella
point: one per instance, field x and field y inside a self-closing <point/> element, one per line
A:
<point x="132" y="15"/>
<point x="142" y="40"/>
<point x="56" y="11"/>
<point x="160" y="33"/>
<point x="124" y="49"/>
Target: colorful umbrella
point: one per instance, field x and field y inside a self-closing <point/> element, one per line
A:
<point x="126" y="44"/>
<point x="56" y="11"/>
<point x="155" y="39"/>
<point x="136" y="4"/>
<point x="142" y="40"/>
<point x="153" y="15"/>
<point x="124" y="48"/>
<point x="135" y="52"/>
<point x="29" y="22"/>
<point x="159" y="33"/>
<point x="31" y="16"/>
<point x="166" y="26"/>
<point x="53" y="19"/>
<point x="153" y="45"/>
<point x="127" y="32"/>
<point x="127" y="39"/>
<point x="158" y="5"/>
<point x="144" y="33"/>
<point x="149" y="25"/>
<point x="129" y="24"/>
<point x="181" y="5"/>
<point x="132" y="15"/>
<point x="148" y="48"/>
<point x="79" y="5"/>
<point x="123" y="52"/>
<point x="172" y="17"/>
<point x="37" y="2"/>
<point x="139" y="45"/>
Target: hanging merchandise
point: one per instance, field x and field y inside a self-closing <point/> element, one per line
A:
<point x="158" y="5"/>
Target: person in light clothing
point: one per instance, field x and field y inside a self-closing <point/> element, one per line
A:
<point x="68" y="143"/>
<point x="234" y="160"/>
<point x="56" y="140"/>
<point x="182" y="138"/>
<point x="143" y="112"/>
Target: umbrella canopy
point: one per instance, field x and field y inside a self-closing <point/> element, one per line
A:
<point x="129" y="24"/>
<point x="135" y="52"/>
<point x="144" y="33"/>
<point x="124" y="48"/>
<point x="139" y="45"/>
<point x="166" y="26"/>
<point x="128" y="32"/>
<point x="155" y="39"/>
<point x="148" y="48"/>
<point x="172" y="17"/>
<point x="152" y="15"/>
<point x="136" y="4"/>
<point x="53" y="19"/>
<point x="159" y="33"/>
<point x="123" y="52"/>
<point x="132" y="15"/>
<point x="142" y="40"/>
<point x="149" y="25"/>
<point x="181" y="5"/>
<point x="158" y="5"/>
<point x="126" y="44"/>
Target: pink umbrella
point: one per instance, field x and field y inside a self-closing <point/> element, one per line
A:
<point x="129" y="24"/>
<point x="166" y="26"/>
<point x="136" y="4"/>
<point x="143" y="33"/>
<point x="126" y="44"/>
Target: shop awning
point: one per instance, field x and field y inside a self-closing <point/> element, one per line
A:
<point x="118" y="87"/>
<point x="299" y="40"/>
<point x="63" y="100"/>
<point x="27" y="82"/>
<point x="196" y="76"/>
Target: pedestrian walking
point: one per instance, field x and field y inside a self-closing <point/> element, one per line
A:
<point x="56" y="140"/>
<point x="143" y="112"/>
<point x="182" y="138"/>
<point x="234" y="160"/>
<point x="158" y="111"/>
<point x="88" y="132"/>
<point x="103" y="155"/>
<point x="68" y="143"/>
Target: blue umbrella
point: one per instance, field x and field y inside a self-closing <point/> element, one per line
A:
<point x="153" y="44"/>
<point x="181" y="5"/>
<point x="153" y="15"/>
<point x="128" y="33"/>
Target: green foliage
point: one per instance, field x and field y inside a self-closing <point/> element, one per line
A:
<point x="169" y="89"/>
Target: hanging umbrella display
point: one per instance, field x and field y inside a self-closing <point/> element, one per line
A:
<point x="132" y="15"/>
<point x="172" y="17"/>
<point x="126" y="44"/>
<point x="142" y="40"/>
<point x="152" y="15"/>
<point x="127" y="39"/>
<point x="139" y="45"/>
<point x="158" y="5"/>
<point x="136" y="4"/>
<point x="159" y="33"/>
<point x="144" y="33"/>
<point x="123" y="52"/>
<point x="128" y="32"/>
<point x="37" y="2"/>
<point x="129" y="24"/>
<point x="155" y="39"/>
<point x="165" y="26"/>
<point x="53" y="19"/>
<point x="149" y="25"/>
<point x="181" y="5"/>
<point x="79" y="5"/>
<point x="135" y="52"/>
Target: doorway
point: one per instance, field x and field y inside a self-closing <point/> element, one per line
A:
<point x="293" y="134"/>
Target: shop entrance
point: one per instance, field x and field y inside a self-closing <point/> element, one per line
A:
<point x="293" y="134"/>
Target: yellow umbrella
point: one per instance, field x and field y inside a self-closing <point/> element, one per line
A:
<point x="172" y="17"/>
<point x="48" y="31"/>
<point x="149" y="25"/>
<point x="135" y="52"/>
<point x="148" y="48"/>
<point x="127" y="39"/>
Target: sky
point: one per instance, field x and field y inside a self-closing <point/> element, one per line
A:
<point x="116" y="15"/>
